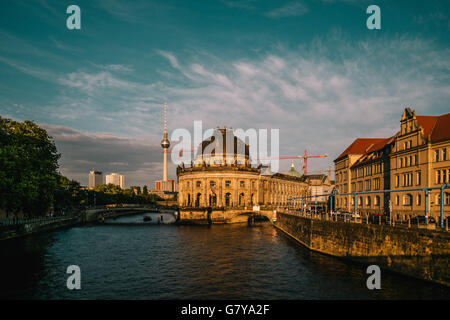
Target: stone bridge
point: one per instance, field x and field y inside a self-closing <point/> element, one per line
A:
<point x="95" y="214"/>
<point x="205" y="215"/>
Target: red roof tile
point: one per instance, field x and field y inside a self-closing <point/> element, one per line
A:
<point x="441" y="130"/>
<point x="427" y="123"/>
<point x="363" y="145"/>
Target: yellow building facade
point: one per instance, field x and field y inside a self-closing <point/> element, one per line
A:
<point x="414" y="158"/>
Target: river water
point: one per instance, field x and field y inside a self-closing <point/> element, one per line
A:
<point x="123" y="261"/>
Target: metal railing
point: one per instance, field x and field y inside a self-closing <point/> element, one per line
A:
<point x="331" y="196"/>
<point x="21" y="221"/>
<point x="374" y="219"/>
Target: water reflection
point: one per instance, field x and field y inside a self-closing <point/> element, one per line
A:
<point x="188" y="262"/>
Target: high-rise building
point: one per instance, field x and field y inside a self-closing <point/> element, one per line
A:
<point x="116" y="179"/>
<point x="95" y="179"/>
<point x="169" y="185"/>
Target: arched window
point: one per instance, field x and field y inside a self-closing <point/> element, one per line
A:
<point x="227" y="199"/>
<point x="377" y="200"/>
<point x="368" y="201"/>
<point x="241" y="199"/>
<point x="360" y="201"/>
<point x="197" y="200"/>
<point x="212" y="200"/>
<point x="189" y="199"/>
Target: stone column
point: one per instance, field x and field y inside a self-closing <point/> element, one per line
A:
<point x="219" y="192"/>
<point x="249" y="193"/>
<point x="257" y="196"/>
<point x="192" y="193"/>
<point x="234" y="198"/>
<point x="205" y="192"/>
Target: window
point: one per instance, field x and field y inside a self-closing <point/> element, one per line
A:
<point x="447" y="198"/>
<point x="410" y="160"/>
<point x="397" y="181"/>
<point x="409" y="144"/>
<point x="419" y="178"/>
<point x="227" y="183"/>
<point x="438" y="176"/>
<point x="199" y="183"/>
<point x="368" y="201"/>
<point x="377" y="200"/>
<point x="415" y="159"/>
<point x="436" y="155"/>
<point x="407" y="200"/>
<point x="419" y="199"/>
<point x="377" y="183"/>
<point x="227" y="199"/>
<point x="397" y="200"/>
<point x="444" y="176"/>
<point x="360" y="201"/>
<point x="212" y="183"/>
<point x="242" y="184"/>
<point x="405" y="145"/>
<point x="444" y="154"/>
<point x="401" y="162"/>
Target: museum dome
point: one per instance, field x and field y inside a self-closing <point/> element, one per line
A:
<point x="222" y="148"/>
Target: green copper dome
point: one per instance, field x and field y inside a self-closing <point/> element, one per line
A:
<point x="293" y="172"/>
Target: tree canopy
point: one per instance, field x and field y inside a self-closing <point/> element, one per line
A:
<point x="28" y="167"/>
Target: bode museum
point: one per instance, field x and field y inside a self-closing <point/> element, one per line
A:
<point x="221" y="187"/>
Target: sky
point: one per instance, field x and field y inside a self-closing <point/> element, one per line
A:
<point x="311" y="69"/>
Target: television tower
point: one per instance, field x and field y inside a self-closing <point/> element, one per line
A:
<point x="165" y="143"/>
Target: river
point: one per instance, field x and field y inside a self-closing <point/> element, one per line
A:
<point x="168" y="261"/>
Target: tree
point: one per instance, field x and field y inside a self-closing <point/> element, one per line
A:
<point x="28" y="168"/>
<point x="145" y="190"/>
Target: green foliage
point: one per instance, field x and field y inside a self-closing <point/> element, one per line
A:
<point x="145" y="190"/>
<point x="28" y="168"/>
<point x="112" y="194"/>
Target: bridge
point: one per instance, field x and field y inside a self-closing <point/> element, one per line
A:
<point x="205" y="215"/>
<point x="96" y="213"/>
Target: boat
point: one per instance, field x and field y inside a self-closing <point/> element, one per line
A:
<point x="147" y="218"/>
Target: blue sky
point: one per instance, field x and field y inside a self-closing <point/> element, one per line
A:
<point x="310" y="68"/>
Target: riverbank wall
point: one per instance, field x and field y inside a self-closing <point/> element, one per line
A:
<point x="38" y="226"/>
<point x="419" y="253"/>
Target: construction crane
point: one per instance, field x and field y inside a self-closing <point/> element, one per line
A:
<point x="304" y="157"/>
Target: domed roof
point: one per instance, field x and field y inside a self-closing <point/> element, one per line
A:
<point x="222" y="147"/>
<point x="293" y="172"/>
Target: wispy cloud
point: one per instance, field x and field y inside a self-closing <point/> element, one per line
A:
<point x="319" y="102"/>
<point x="288" y="10"/>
